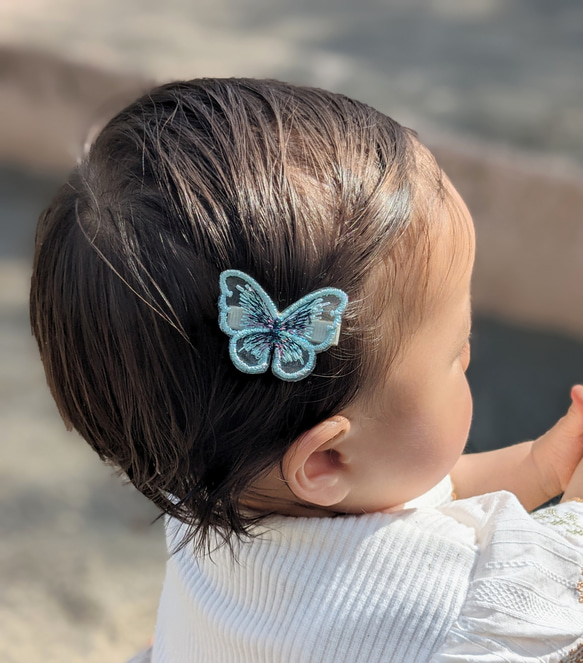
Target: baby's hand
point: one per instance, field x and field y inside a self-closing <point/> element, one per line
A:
<point x="559" y="451"/>
<point x="575" y="487"/>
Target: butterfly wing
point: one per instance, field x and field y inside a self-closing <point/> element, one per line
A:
<point x="246" y="314"/>
<point x="308" y="326"/>
<point x="251" y="350"/>
<point x="294" y="357"/>
<point x="317" y="317"/>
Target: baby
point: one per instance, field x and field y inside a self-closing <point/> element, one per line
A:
<point x="254" y="300"/>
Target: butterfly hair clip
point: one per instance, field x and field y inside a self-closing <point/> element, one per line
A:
<point x="261" y="336"/>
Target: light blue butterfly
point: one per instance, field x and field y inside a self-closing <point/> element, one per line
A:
<point x="261" y="336"/>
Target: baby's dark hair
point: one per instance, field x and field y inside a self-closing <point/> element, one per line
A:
<point x="301" y="189"/>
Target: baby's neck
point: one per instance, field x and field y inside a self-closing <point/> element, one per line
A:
<point x="290" y="506"/>
<point x="286" y="507"/>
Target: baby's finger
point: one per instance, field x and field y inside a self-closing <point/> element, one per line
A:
<point x="577" y="397"/>
<point x="570" y="426"/>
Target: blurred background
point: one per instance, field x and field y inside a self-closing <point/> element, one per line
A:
<point x="495" y="87"/>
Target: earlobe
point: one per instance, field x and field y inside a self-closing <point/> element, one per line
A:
<point x="315" y="466"/>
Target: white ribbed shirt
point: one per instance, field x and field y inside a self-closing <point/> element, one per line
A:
<point x="441" y="581"/>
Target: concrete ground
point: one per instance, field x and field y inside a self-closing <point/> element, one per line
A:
<point x="81" y="565"/>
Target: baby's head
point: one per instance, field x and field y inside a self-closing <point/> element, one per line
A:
<point x="301" y="189"/>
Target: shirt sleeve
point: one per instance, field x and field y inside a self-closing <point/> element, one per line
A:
<point x="525" y="596"/>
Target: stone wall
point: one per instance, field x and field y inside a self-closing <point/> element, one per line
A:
<point x="528" y="210"/>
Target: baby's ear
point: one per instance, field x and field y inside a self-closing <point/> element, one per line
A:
<point x="314" y="466"/>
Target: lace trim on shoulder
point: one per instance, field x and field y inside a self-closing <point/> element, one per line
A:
<point x="575" y="655"/>
<point x="569" y="521"/>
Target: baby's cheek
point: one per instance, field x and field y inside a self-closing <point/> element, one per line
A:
<point x="466" y="412"/>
